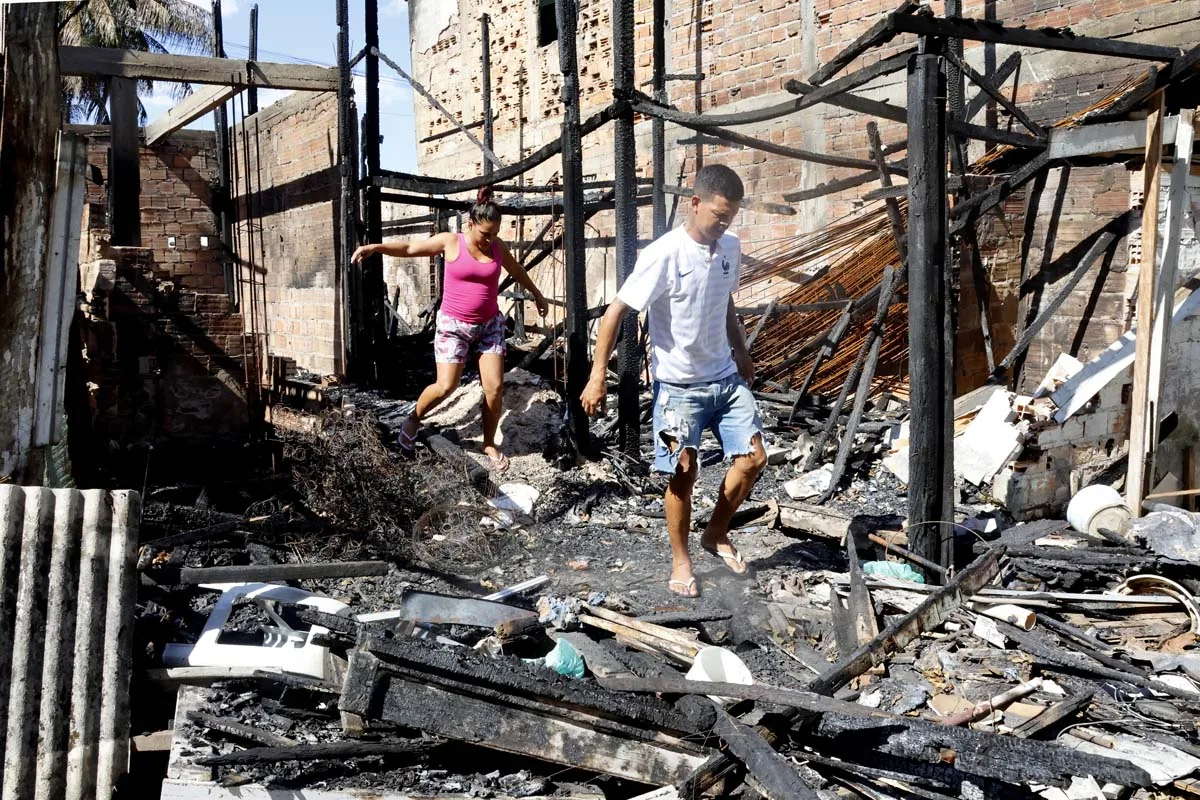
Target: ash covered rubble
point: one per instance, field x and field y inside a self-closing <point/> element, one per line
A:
<point x="1049" y="662"/>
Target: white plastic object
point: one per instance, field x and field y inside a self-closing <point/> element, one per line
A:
<point x="1023" y="618"/>
<point x="719" y="665"/>
<point x="285" y="648"/>
<point x="517" y="497"/>
<point x="1098" y="506"/>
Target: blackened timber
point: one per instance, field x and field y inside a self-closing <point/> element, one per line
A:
<point x="810" y="98"/>
<point x="1052" y="716"/>
<point x="1154" y="79"/>
<point x="1045" y="38"/>
<point x="629" y="357"/>
<point x="968" y="211"/>
<point x="884" y="110"/>
<point x="829" y="346"/>
<point x="891" y="281"/>
<point x="771" y="147"/>
<point x="280" y="572"/>
<point x="550" y="207"/>
<point x="485" y="75"/>
<point x="252" y="93"/>
<point x="1008" y="105"/>
<point x="879" y="33"/>
<point x="832" y="187"/>
<point x="571" y="741"/>
<point x="976" y="103"/>
<point x="1101" y="243"/>
<point x="931" y="461"/>
<point x="545" y="153"/>
<point x="323" y="751"/>
<point x="125" y="208"/>
<point x="433" y="101"/>
<point x="914" y="775"/>
<point x="374" y="288"/>
<point x="933" y="610"/>
<point x="577" y="367"/>
<point x="776" y="776"/>
<point x="141" y="65"/>
<point x="885" y="180"/>
<point x="357" y="346"/>
<point x="1005" y="758"/>
<point x="658" y="134"/>
<point x="231" y="727"/>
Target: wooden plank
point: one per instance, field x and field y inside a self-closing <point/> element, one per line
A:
<point x="688" y="652"/>
<point x="515" y="730"/>
<point x="1047" y="38"/>
<point x="1104" y="137"/>
<point x="139" y="65"/>
<point x="124" y="179"/>
<point x="998" y="78"/>
<point x="669" y="634"/>
<point x="317" y="752"/>
<point x="189" y="576"/>
<point x="191" y="108"/>
<point x="775" y="776"/>
<point x="1140" y="431"/>
<point x="231" y="727"/>
<point x="1062" y="710"/>
<point x="157" y="742"/>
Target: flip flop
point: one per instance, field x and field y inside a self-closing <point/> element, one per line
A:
<point x="499" y="463"/>
<point x="688" y="587"/>
<point x="734" y="560"/>
<point x="407" y="441"/>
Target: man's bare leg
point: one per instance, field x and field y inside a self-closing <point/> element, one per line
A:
<point x="739" y="480"/>
<point x="678" y="506"/>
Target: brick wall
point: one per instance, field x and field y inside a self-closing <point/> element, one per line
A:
<point x="177" y="178"/>
<point x="164" y="363"/>
<point x="747" y="50"/>
<point x="293" y="199"/>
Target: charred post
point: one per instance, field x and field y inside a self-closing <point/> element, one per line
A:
<point x="252" y="92"/>
<point x="931" y="469"/>
<point x="124" y="176"/>
<point x="374" y="292"/>
<point x="573" y="221"/>
<point x="358" y="348"/>
<point x="223" y="201"/>
<point x="625" y="161"/>
<point x="658" y="131"/>
<point x="485" y="76"/>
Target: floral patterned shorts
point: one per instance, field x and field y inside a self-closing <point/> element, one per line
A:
<point x="455" y="339"/>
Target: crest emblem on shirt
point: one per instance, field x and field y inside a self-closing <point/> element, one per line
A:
<point x="725" y="266"/>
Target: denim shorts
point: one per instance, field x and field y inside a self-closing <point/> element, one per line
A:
<point x="682" y="412"/>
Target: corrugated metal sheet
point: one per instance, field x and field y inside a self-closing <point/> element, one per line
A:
<point x="67" y="592"/>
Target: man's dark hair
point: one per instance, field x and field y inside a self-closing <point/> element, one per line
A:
<point x="718" y="179"/>
<point x="484" y="207"/>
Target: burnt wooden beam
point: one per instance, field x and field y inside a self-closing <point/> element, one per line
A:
<point x="1005" y="758"/>
<point x="423" y="185"/>
<point x="124" y="177"/>
<point x="1155" y="79"/>
<point x="194" y="576"/>
<point x="977" y="103"/>
<point x="629" y="351"/>
<point x="880" y="33"/>
<point x="231" y="727"/>
<point x="1012" y="108"/>
<point x="1045" y="38"/>
<point x="932" y="611"/>
<point x="895" y="218"/>
<point x="829" y="345"/>
<point x="776" y="777"/>
<point x="323" y="751"/>
<point x="141" y="65"/>
<point x="1055" y="714"/>
<point x="930" y="336"/>
<point x="831" y="187"/>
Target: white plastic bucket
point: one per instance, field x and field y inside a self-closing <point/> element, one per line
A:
<point x="1098" y="506"/>
<point x="720" y="666"/>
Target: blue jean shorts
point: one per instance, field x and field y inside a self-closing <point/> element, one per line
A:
<point x="682" y="412"/>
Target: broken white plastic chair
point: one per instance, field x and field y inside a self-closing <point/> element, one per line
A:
<point x="284" y="647"/>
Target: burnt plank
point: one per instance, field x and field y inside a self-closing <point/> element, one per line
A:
<point x="776" y="777"/>
<point x="323" y="751"/>
<point x="1060" y="711"/>
<point x="1004" y="758"/>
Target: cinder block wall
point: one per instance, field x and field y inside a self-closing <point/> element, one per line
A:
<point x="293" y="195"/>
<point x="177" y="177"/>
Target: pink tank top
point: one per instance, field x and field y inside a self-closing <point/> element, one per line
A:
<point x="472" y="287"/>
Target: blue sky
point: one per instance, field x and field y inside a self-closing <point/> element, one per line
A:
<point x="305" y="31"/>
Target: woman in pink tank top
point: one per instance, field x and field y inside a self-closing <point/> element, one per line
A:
<point x="469" y="318"/>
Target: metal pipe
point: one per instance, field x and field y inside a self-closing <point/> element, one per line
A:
<point x="113" y="751"/>
<point x="89" y="638"/>
<point x="50" y="782"/>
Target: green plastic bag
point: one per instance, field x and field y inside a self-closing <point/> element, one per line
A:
<point x="893" y="569"/>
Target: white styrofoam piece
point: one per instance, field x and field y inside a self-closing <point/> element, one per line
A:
<point x="989" y="442"/>
<point x="285" y="648"/>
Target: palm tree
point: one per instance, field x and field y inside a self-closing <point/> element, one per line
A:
<point x="149" y="25"/>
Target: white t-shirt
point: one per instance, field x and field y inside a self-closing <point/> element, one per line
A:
<point x="685" y="288"/>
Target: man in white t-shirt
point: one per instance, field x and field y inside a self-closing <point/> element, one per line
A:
<point x="702" y="370"/>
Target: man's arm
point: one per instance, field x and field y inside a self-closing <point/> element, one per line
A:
<point x="737" y="342"/>
<point x="597" y="385"/>
<point x="434" y="245"/>
<point x="514" y="268"/>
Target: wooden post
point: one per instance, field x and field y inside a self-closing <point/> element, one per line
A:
<point x="658" y="134"/>
<point x="124" y="172"/>
<point x="567" y="12"/>
<point x="931" y="464"/>
<point x="485" y="77"/>
<point x="359" y="357"/>
<point x="252" y="92"/>
<point x="1140" y="429"/>
<point x="29" y="122"/>
<point x="374" y="289"/>
<point x="625" y="174"/>
<point x="224" y="198"/>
